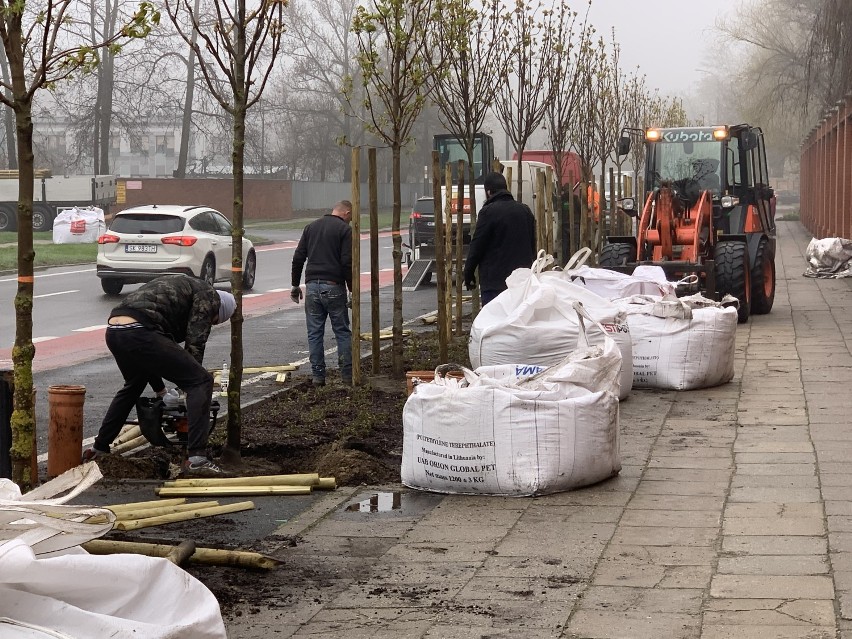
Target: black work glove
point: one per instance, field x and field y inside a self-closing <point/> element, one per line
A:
<point x="296" y="294"/>
<point x="470" y="282"/>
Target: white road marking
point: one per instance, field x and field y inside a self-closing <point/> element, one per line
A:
<point x="89" y="329"/>
<point x="35" y="297"/>
<point x="286" y="244"/>
<point x="278" y="290"/>
<point x="86" y="270"/>
<point x="46" y="338"/>
<point x="245" y="297"/>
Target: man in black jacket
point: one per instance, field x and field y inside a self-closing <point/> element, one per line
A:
<point x="326" y="244"/>
<point x="143" y="334"/>
<point x="503" y="240"/>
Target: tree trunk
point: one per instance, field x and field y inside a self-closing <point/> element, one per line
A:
<point x="231" y="452"/>
<point x="396" y="349"/>
<point x="474" y="298"/>
<point x="8" y="117"/>
<point x="186" y="122"/>
<point x="105" y="88"/>
<point x="23" y="352"/>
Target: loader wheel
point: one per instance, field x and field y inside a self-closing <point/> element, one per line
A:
<point x="733" y="276"/>
<point x="618" y="254"/>
<point x="763" y="278"/>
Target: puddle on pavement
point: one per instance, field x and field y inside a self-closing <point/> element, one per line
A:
<point x="378" y="503"/>
<point x="393" y="503"/>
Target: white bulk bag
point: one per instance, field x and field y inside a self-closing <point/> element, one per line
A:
<point x="50" y="586"/>
<point x="80" y="595"/>
<point x="645" y="280"/>
<point x="681" y="344"/>
<point x="533" y="322"/>
<point x="78" y="226"/>
<point x="517" y="436"/>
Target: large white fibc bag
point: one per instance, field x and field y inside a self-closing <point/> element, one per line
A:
<point x="78" y="226"/>
<point x="533" y="322"/>
<point x="506" y="432"/>
<point x="681" y="344"/>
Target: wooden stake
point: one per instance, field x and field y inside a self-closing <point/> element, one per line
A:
<point x="153" y="511"/>
<point x="306" y="479"/>
<point x="182" y="552"/>
<point x="131" y="431"/>
<point x="326" y="483"/>
<point x="209" y="556"/>
<point x="147" y="522"/>
<point x="136" y="505"/>
<point x="136" y="442"/>
<point x="230" y="491"/>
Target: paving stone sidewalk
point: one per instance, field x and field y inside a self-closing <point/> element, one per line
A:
<point x="731" y="519"/>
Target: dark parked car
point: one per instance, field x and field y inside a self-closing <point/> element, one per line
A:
<point x="421" y="223"/>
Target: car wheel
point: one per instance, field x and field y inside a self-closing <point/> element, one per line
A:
<point x="42" y="219"/>
<point x="8" y="219"/>
<point x="112" y="287"/>
<point x="249" y="271"/>
<point x="208" y="271"/>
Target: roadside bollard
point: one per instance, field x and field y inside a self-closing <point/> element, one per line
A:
<point x="65" y="429"/>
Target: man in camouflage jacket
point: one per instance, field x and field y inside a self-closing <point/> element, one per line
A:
<point x="144" y="333"/>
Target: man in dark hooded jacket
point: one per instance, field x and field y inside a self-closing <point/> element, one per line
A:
<point x="503" y="240"/>
<point x="143" y="334"/>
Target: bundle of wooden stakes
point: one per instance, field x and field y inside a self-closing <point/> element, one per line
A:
<point x="300" y="484"/>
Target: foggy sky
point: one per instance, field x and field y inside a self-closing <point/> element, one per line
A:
<point x="668" y="39"/>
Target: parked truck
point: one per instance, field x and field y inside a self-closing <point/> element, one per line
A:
<point x="53" y="193"/>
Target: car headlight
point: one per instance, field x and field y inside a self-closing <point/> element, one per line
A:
<point x="729" y="201"/>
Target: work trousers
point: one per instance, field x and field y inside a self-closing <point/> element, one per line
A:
<point x="325" y="300"/>
<point x="143" y="355"/>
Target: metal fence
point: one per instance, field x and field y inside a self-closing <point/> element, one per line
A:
<point x="309" y="196"/>
<point x="826" y="174"/>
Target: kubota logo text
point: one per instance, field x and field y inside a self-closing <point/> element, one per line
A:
<point x="691" y="135"/>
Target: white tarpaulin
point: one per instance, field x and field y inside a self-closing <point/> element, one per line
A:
<point x="504" y="432"/>
<point x="78" y="226"/>
<point x="829" y="258"/>
<point x="50" y="587"/>
<point x="533" y="322"/>
<point x="681" y="343"/>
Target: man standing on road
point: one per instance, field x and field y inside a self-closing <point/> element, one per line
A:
<point x="326" y="244"/>
<point x="143" y="334"/>
<point x="503" y="240"/>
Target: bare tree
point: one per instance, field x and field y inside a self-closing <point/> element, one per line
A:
<point x="322" y="46"/>
<point x="240" y="47"/>
<point x="393" y="40"/>
<point x="829" y="70"/>
<point x="465" y="91"/>
<point x="37" y="60"/>
<point x="591" y="60"/>
<point x="561" y="111"/>
<point x="523" y="73"/>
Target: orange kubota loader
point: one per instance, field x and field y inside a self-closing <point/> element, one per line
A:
<point x="709" y="212"/>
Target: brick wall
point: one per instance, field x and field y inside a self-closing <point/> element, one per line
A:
<point x="264" y="199"/>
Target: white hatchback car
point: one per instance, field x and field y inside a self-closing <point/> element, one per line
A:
<point x="145" y="242"/>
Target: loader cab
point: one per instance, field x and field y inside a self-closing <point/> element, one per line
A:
<point x="728" y="161"/>
<point x="450" y="151"/>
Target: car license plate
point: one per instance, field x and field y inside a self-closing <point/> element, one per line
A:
<point x="430" y="224"/>
<point x="140" y="248"/>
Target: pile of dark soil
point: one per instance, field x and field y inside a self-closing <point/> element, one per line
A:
<point x="351" y="433"/>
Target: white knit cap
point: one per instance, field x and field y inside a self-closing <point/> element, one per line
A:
<point x="227" y="304"/>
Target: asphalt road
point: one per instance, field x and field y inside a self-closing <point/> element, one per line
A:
<point x="70" y="312"/>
